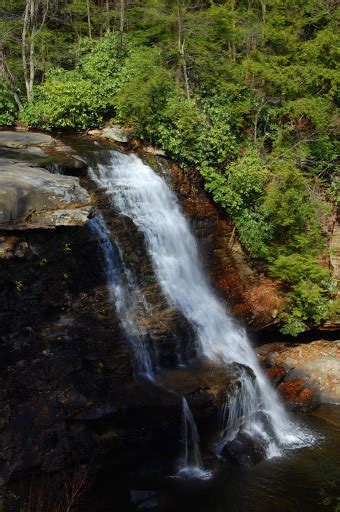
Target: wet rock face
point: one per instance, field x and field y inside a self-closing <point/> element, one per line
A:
<point x="168" y="334"/>
<point x="67" y="389"/>
<point x="203" y="384"/>
<point x="244" y="450"/>
<point x="305" y="374"/>
<point x="31" y="197"/>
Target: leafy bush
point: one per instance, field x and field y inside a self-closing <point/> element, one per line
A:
<point x="66" y="101"/>
<point x="310" y="287"/>
<point x="8" y="107"/>
<point x="289" y="207"/>
<point x="183" y="138"/>
<point x="82" y="97"/>
<point x="100" y="61"/>
<point x="144" y="86"/>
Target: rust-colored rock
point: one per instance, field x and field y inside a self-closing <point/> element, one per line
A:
<point x="298" y="396"/>
<point x="276" y="374"/>
<point x="317" y="364"/>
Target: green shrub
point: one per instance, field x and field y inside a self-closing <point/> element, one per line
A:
<point x="310" y="289"/>
<point x="292" y="212"/>
<point x="66" y="101"/>
<point x="8" y="107"/>
<point x="80" y="98"/>
<point x="144" y="86"/>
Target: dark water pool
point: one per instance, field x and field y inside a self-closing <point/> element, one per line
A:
<point x="304" y="480"/>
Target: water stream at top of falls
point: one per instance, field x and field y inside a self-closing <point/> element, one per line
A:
<point x="137" y="192"/>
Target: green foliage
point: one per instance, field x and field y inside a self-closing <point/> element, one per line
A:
<point x="289" y="208"/>
<point x="66" y="101"/>
<point x="100" y="61"/>
<point x="179" y="135"/>
<point x="245" y="181"/>
<point x="309" y="288"/>
<point x="80" y="98"/>
<point x="8" y="107"/>
<point x="254" y="233"/>
<point x="144" y="85"/>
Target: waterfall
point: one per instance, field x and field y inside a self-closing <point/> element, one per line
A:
<point x="137" y="192"/>
<point x="125" y="296"/>
<point x="191" y="460"/>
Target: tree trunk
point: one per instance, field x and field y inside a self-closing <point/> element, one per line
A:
<point x="181" y="50"/>
<point x="25" y="29"/>
<point x="264" y="11"/>
<point x="8" y="77"/>
<point x="107" y="15"/>
<point x="121" y="20"/>
<point x="231" y="44"/>
<point x="31" y="27"/>
<point x="88" y="9"/>
<point x="185" y="72"/>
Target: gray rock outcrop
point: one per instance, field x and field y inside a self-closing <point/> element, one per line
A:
<point x="31" y="197"/>
<point x="115" y="133"/>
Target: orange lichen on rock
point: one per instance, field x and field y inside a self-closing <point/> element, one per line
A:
<point x="275" y="374"/>
<point x="297" y="395"/>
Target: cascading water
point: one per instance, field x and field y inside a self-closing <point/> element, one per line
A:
<point x="136" y="191"/>
<point x="125" y="295"/>
<point x="191" y="461"/>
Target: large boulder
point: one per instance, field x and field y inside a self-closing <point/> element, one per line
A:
<point x="245" y="450"/>
<point x="304" y="372"/>
<point x="114" y="133"/>
<point x="32" y="197"/>
<point x="204" y="385"/>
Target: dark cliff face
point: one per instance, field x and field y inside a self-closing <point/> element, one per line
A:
<point x="56" y="331"/>
<point x="68" y="392"/>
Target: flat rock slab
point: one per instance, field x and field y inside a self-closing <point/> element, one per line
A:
<point x="31" y="197"/>
<point x="40" y="148"/>
<point x="11" y="139"/>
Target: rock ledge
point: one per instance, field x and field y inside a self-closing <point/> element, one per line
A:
<point x="31" y="197"/>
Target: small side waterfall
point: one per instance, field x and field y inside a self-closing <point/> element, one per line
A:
<point x="137" y="192"/>
<point x="191" y="461"/>
<point x="125" y="296"/>
<point x="240" y="410"/>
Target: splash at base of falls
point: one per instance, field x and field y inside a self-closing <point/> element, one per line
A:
<point x="191" y="465"/>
